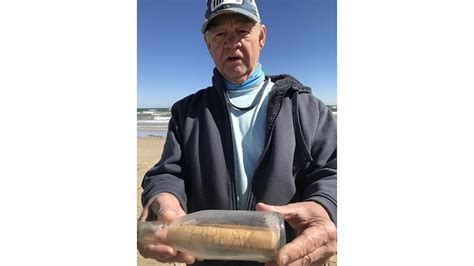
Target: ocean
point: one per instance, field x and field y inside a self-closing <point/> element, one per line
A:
<point x="153" y="121"/>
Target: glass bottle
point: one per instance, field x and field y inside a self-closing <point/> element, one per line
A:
<point x="220" y="234"/>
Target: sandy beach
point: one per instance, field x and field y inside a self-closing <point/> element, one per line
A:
<point x="149" y="151"/>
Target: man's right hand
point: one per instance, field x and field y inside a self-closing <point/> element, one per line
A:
<point x="163" y="207"/>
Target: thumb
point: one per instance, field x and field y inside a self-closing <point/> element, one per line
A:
<point x="283" y="210"/>
<point x="288" y="212"/>
<point x="144" y="214"/>
<point x="264" y="207"/>
<point x="166" y="206"/>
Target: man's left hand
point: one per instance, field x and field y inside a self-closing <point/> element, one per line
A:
<point x="316" y="240"/>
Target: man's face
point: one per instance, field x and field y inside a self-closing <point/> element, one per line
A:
<point x="235" y="42"/>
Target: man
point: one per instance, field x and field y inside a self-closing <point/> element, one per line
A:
<point x="248" y="142"/>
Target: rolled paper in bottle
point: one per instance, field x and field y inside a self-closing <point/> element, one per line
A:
<point x="219" y="234"/>
<point x="217" y="241"/>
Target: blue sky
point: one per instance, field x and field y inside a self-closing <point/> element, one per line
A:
<point x="173" y="61"/>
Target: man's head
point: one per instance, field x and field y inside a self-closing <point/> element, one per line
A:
<point x="234" y="37"/>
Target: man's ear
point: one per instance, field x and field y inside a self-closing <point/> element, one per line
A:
<point x="263" y="35"/>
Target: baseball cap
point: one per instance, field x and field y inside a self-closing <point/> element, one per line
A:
<point x="215" y="8"/>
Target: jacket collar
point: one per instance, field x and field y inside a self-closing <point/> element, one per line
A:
<point x="283" y="81"/>
<point x="218" y="80"/>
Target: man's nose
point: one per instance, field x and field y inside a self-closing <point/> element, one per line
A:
<point x="233" y="40"/>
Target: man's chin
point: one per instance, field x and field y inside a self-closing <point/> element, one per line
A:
<point x="236" y="77"/>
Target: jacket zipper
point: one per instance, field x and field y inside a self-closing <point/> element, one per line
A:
<point x="232" y="173"/>
<point x="265" y="150"/>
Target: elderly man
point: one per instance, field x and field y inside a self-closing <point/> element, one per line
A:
<point x="248" y="142"/>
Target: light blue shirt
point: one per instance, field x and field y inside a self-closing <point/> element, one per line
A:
<point x="248" y="135"/>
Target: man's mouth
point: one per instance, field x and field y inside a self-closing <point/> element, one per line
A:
<point x="234" y="58"/>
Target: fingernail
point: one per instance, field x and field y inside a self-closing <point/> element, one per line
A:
<point x="172" y="251"/>
<point x="284" y="259"/>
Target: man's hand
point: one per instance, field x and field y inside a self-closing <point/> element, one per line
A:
<point x="163" y="207"/>
<point x="316" y="240"/>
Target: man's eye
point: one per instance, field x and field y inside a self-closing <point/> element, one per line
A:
<point x="243" y="32"/>
<point x="219" y="36"/>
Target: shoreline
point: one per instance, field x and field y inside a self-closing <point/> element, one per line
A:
<point x="143" y="133"/>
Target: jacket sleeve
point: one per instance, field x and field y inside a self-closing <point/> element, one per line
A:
<point x="168" y="174"/>
<point x="321" y="174"/>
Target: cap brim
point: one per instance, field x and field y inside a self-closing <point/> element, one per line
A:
<point x="232" y="10"/>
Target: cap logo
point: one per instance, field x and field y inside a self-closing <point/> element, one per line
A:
<point x="217" y="3"/>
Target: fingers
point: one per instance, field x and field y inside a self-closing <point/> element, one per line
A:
<point x="316" y="244"/>
<point x="158" y="252"/>
<point x="317" y="234"/>
<point x="164" y="253"/>
<point x="181" y="257"/>
<point x="317" y="257"/>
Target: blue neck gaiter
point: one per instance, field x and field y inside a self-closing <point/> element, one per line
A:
<point x="254" y="79"/>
